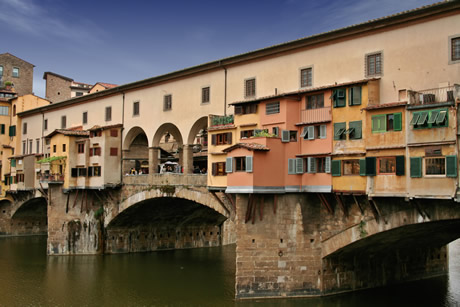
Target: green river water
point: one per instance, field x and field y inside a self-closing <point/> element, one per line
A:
<point x="195" y="277"/>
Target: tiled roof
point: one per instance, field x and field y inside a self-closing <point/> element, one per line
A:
<point x="107" y="85"/>
<point x="249" y="146"/>
<point x="386" y="105"/>
<point x="304" y="91"/>
<point x="221" y="127"/>
<point x="97" y="127"/>
<point x="69" y="132"/>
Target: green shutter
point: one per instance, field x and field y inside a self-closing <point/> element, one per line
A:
<point x="354" y="96"/>
<point x="357" y="126"/>
<point x="400" y="165"/>
<point x="339" y="97"/>
<point x="362" y="167"/>
<point x="397" y="122"/>
<point x="12" y="131"/>
<point x="416" y="167"/>
<point x="13" y="162"/>
<point x="451" y="166"/>
<point x="336" y="168"/>
<point x="371" y="166"/>
<point x="339" y="129"/>
<point x="379" y="123"/>
<point x="2" y="129"/>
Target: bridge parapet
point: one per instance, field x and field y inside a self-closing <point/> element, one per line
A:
<point x="199" y="180"/>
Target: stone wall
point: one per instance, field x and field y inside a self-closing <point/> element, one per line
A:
<point x="57" y="89"/>
<point x="24" y="83"/>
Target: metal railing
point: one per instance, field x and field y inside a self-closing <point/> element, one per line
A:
<point x="434" y="96"/>
<point x="316" y="115"/>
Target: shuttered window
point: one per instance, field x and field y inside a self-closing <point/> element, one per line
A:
<point x="311" y="165"/>
<point x="322" y="131"/>
<point x="250" y="88"/>
<point x="336" y="168"/>
<point x="362" y="167"/>
<point x="2" y="128"/>
<point x="374" y="64"/>
<point x="379" y="123"/>
<point x="272" y="108"/>
<point x="306" y="77"/>
<point x="339" y="131"/>
<point x="327" y="164"/>
<point x="205" y="93"/>
<point x="455" y="49"/>
<point x="437" y="118"/>
<point x="355" y="130"/>
<point x="291" y="166"/>
<point x="249" y="164"/>
<point x="354" y="96"/>
<point x="229" y="165"/>
<point x="339" y="98"/>
<point x="416" y="167"/>
<point x="451" y="166"/>
<point x="400" y="165"/>
<point x="136" y="108"/>
<point x="12" y="131"/>
<point x="108" y="114"/>
<point x="371" y="166"/>
<point x="299" y="166"/>
<point x="221" y="138"/>
<point x="218" y="169"/>
<point x="63" y="122"/>
<point x="167" y="102"/>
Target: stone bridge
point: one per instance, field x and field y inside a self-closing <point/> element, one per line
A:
<point x="148" y="212"/>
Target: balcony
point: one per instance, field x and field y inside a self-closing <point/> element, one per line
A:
<point x="52" y="177"/>
<point x="216" y="120"/>
<point x="434" y="96"/>
<point x="311" y="116"/>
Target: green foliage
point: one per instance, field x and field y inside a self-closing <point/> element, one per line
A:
<point x="221" y="120"/>
<point x="362" y="232"/>
<point x="8" y="83"/>
<point x="264" y="134"/>
<point x="99" y="212"/>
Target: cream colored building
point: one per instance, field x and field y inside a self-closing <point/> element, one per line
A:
<point x="414" y="50"/>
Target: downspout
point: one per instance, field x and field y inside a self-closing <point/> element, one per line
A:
<point x="121" y="137"/>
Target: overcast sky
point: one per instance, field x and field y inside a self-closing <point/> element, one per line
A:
<point x="125" y="41"/>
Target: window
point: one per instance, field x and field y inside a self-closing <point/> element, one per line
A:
<point x="339" y="131"/>
<point x="136" y="108"/>
<point x="54" y="148"/>
<point x="306" y="77"/>
<point x="108" y="114"/>
<point x="454" y="50"/>
<point x="437" y="118"/>
<point x="30" y="146"/>
<point x="205" y="92"/>
<point x="63" y="147"/>
<point x="272" y="108"/>
<point x="246" y="109"/>
<point x="314" y="102"/>
<point x="113" y="133"/>
<point x="247" y="133"/>
<point x="373" y="64"/>
<point x="288" y="136"/>
<point x="63" y="122"/>
<point x="94" y="171"/>
<point x="313" y="132"/>
<point x="386" y="122"/>
<point x="15" y="72"/>
<point x="113" y="151"/>
<point x="81" y="171"/>
<point x="317" y="164"/>
<point x="435" y="166"/>
<point x="78" y="94"/>
<point x="276" y="131"/>
<point x="250" y="88"/>
<point x="3" y="110"/>
<point x="37" y="142"/>
<point x="243" y="164"/>
<point x="24" y="149"/>
<point x="1" y="70"/>
<point x="167" y="102"/>
<point x="2" y="128"/>
<point x="95" y="133"/>
<point x="221" y="138"/>
<point x="354" y="131"/>
<point x="95" y="151"/>
<point x="45" y="124"/>
<point x="85" y="118"/>
<point x="354" y="96"/>
<point x="387" y="165"/>
<point x="339" y="97"/>
<point x="218" y="169"/>
<point x="351" y="167"/>
<point x="81" y="148"/>
<point x="12" y="131"/>
<point x="14" y="110"/>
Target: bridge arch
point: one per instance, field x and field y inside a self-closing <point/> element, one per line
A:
<point x="441" y="223"/>
<point x="165" y="129"/>
<point x="29" y="216"/>
<point x="200" y="124"/>
<point x="165" y="217"/>
<point x="135" y="150"/>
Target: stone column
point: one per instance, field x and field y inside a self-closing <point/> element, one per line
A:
<point x="154" y="159"/>
<point x="187" y="158"/>
<point x="126" y="166"/>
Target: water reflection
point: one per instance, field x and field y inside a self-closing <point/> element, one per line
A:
<point x="203" y="277"/>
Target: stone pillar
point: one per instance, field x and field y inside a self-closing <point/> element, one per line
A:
<point x="126" y="166"/>
<point x="187" y="158"/>
<point x="154" y="153"/>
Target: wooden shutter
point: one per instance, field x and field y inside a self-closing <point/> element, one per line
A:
<point x="229" y="138"/>
<point x="362" y="167"/>
<point x="229" y="165"/>
<point x="214" y="169"/>
<point x="337" y="129"/>
<point x="90" y="171"/>
<point x="336" y="168"/>
<point x="451" y="166"/>
<point x="322" y="132"/>
<point x="397" y="121"/>
<point x="400" y="165"/>
<point x="299" y="165"/>
<point x="311" y="165"/>
<point x="357" y="132"/>
<point x="311" y="132"/>
<point x="327" y="164"/>
<point x="12" y="131"/>
<point x="213" y="139"/>
<point x="74" y="172"/>
<point x="238" y="110"/>
<point x="291" y="166"/>
<point x="304" y="132"/>
<point x="371" y="163"/>
<point x="284" y="136"/>
<point x="354" y="96"/>
<point x="276" y="131"/>
<point x="416" y="167"/>
<point x="2" y="129"/>
<point x="249" y="164"/>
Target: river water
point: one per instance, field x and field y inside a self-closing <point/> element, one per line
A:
<point x="195" y="277"/>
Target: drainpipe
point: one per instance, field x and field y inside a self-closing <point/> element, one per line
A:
<point x="121" y="136"/>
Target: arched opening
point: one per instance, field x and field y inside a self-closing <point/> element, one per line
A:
<point x="136" y="152"/>
<point x="164" y="223"/>
<point x="30" y="218"/>
<point x="198" y="140"/>
<point x="168" y="147"/>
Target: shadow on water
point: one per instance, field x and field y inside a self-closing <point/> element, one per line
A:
<point x="196" y="277"/>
